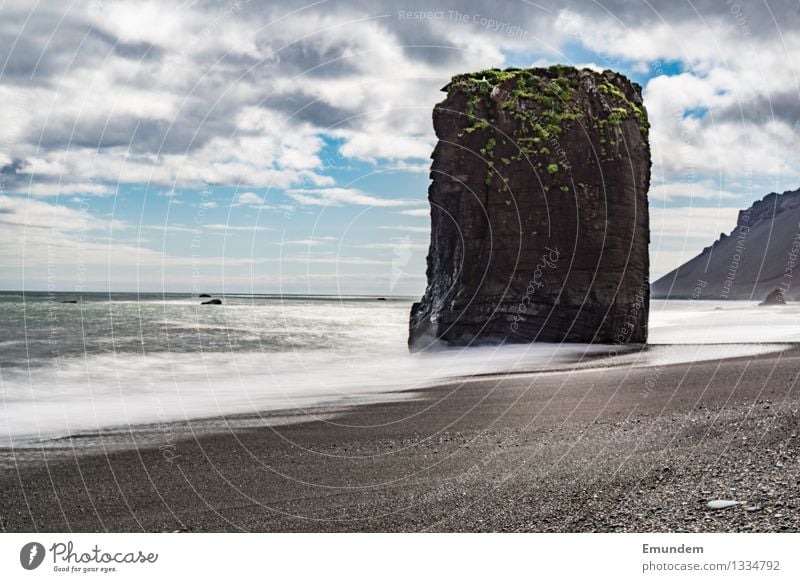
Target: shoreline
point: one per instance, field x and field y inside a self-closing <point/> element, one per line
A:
<point x="609" y="356"/>
<point x="627" y="448"/>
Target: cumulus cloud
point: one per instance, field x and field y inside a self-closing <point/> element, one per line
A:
<point x="260" y="96"/>
<point x="333" y="260"/>
<point x="396" y="245"/>
<point x="248" y="199"/>
<point x="57" y="189"/>
<point x="235" y="228"/>
<point x="309" y="242"/>
<point x="403" y="228"/>
<point x="692" y="190"/>
<point x="245" y="93"/>
<point x="341" y="196"/>
<point x="32" y="214"/>
<point x="423" y="212"/>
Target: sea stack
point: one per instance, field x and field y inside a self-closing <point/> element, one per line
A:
<point x="539" y="221"/>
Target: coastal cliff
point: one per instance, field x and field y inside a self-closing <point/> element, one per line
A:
<point x="538" y="211"/>
<point x="760" y="255"/>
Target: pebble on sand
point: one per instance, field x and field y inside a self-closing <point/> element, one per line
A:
<point x="721" y="504"/>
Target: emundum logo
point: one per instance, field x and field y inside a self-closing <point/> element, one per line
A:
<point x="31" y="555"/>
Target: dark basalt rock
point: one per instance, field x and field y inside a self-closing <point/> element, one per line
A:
<point x="538" y="211"/>
<point x="202" y="295"/>
<point x="774" y="298"/>
<point x="212" y="302"/>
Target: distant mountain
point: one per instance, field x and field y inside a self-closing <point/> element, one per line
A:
<point x="760" y="255"/>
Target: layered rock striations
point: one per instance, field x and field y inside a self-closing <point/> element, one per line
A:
<point x="538" y="211"/>
<point x="760" y="255"/>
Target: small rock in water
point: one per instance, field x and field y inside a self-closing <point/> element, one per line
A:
<point x="721" y="504"/>
<point x="774" y="298"/>
<point x="752" y="508"/>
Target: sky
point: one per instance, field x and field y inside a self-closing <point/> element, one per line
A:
<point x="284" y="147"/>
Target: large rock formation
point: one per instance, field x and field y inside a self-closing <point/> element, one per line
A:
<point x="538" y="211"/>
<point x="760" y="254"/>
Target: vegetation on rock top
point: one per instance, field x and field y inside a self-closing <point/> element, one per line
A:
<point x="546" y="102"/>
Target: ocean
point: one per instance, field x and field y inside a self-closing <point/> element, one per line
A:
<point x="121" y="361"/>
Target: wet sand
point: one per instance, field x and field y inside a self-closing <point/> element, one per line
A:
<point x="616" y="449"/>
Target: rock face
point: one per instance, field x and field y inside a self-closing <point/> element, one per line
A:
<point x="774" y="298"/>
<point x="760" y="254"/>
<point x="539" y="214"/>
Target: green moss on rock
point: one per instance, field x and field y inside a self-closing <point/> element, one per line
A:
<point x="545" y="101"/>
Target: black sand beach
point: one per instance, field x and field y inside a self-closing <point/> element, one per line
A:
<point x="616" y="449"/>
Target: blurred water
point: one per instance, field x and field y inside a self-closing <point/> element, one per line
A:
<point x="726" y="322"/>
<point x="124" y="360"/>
